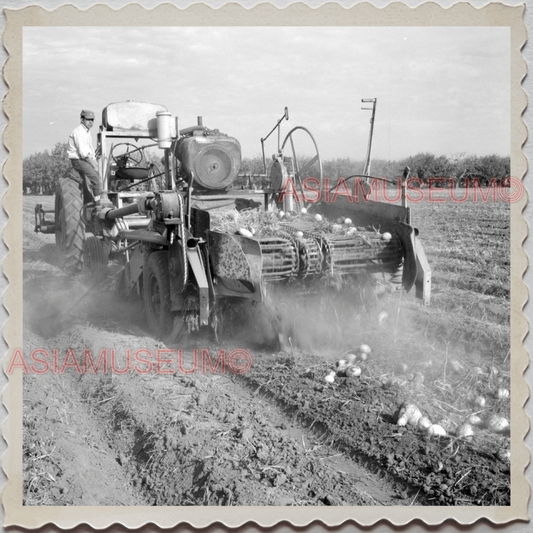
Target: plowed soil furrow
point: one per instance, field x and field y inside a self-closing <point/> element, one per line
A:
<point x="358" y="416"/>
<point x="279" y="434"/>
<point x="186" y="440"/>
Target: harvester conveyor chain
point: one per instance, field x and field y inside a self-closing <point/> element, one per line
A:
<point x="280" y="258"/>
<point x="288" y="255"/>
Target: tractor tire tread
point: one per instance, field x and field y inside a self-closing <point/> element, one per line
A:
<point x="157" y="266"/>
<point x="95" y="261"/>
<point x="167" y="325"/>
<point x="73" y="234"/>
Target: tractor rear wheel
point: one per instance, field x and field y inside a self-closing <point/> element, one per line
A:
<point x="167" y="325"/>
<point x="70" y="230"/>
<point x="94" y="261"/>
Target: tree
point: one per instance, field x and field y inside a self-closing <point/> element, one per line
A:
<point x="495" y="167"/>
<point x="41" y="171"/>
<point x="427" y="166"/>
<point x="484" y="168"/>
<point x="31" y="173"/>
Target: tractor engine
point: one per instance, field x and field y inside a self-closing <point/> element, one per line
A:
<point x="211" y="158"/>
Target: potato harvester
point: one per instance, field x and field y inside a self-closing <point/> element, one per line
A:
<point x="167" y="221"/>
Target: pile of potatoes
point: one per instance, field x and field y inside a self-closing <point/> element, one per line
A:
<point x="347" y="366"/>
<point x="410" y="414"/>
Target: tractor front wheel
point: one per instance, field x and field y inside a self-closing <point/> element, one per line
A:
<point x="167" y="325"/>
<point x="70" y="230"/>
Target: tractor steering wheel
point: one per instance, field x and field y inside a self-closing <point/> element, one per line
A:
<point x="132" y="156"/>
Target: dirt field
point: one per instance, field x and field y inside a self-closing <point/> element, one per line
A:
<point x="278" y="434"/>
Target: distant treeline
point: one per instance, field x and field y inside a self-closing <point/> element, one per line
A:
<point x="424" y="166"/>
<point x="41" y="171"/>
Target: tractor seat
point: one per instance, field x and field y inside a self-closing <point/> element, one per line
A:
<point x="131" y="173"/>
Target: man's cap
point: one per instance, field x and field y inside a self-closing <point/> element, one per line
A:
<point x="85" y="113"/>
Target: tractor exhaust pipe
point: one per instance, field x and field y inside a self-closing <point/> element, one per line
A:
<point x="192" y="244"/>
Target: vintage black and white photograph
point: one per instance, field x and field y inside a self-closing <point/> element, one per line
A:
<point x="266" y="266"/>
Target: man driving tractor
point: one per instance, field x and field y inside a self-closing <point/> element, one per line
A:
<point x="83" y="157"/>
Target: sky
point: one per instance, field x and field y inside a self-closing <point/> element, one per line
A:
<point x="444" y="90"/>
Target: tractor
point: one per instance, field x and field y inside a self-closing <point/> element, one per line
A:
<point x="156" y="220"/>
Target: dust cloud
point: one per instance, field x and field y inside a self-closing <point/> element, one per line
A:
<point x="320" y="317"/>
<point x="54" y="302"/>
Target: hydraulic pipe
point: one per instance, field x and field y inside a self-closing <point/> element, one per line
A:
<point x="130" y="209"/>
<point x="144" y="236"/>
